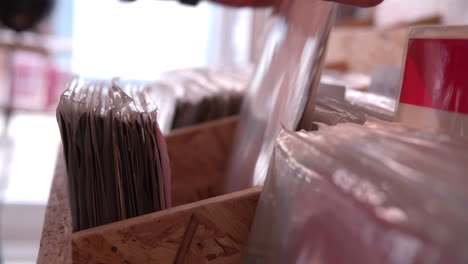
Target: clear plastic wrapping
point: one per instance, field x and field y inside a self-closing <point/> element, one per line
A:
<point x="163" y="96"/>
<point x="375" y="105"/>
<point x="116" y="155"/>
<point x="379" y="193"/>
<point x="332" y="112"/>
<point x="283" y="89"/>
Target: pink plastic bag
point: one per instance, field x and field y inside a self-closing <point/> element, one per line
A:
<point x="363" y="194"/>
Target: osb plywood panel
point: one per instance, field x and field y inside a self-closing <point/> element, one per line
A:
<point x="56" y="235"/>
<point x="210" y="231"/>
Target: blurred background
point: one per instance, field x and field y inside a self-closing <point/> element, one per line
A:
<point x="141" y="40"/>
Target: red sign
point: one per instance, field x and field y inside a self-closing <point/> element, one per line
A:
<point x="436" y="74"/>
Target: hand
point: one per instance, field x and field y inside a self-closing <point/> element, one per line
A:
<point x="360" y="3"/>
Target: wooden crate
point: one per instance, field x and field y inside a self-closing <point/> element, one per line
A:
<point x="202" y="227"/>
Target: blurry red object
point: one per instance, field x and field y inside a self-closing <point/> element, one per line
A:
<point x="57" y="80"/>
<point x="434" y="91"/>
<point x="37" y="82"/>
<point x="436" y="74"/>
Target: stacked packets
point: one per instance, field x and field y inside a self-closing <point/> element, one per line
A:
<point x="116" y="156"/>
<point x="206" y="94"/>
<point x="379" y="193"/>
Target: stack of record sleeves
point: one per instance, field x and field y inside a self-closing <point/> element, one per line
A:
<point x="116" y="155"/>
<point x="206" y="94"/>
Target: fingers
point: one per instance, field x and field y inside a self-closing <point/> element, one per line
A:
<point x="360" y="3"/>
<point x="239" y="3"/>
<point x="259" y="3"/>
